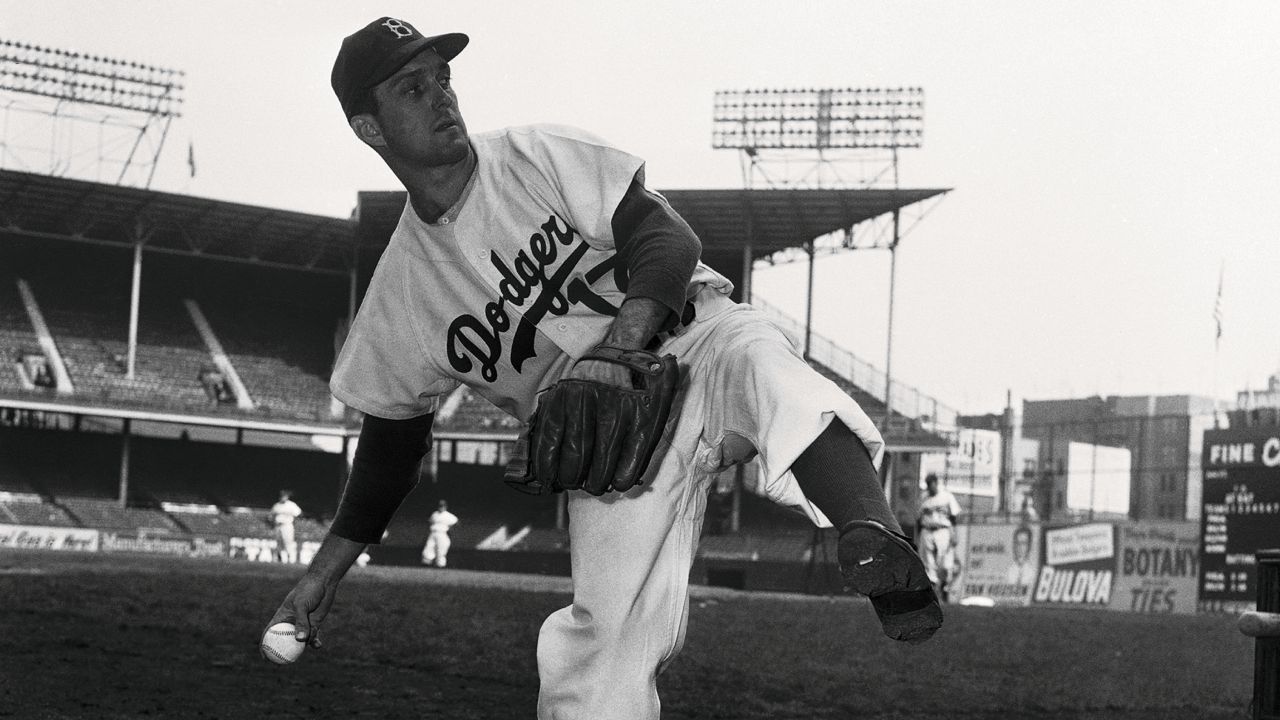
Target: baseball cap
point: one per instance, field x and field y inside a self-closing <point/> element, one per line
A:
<point x="376" y="51"/>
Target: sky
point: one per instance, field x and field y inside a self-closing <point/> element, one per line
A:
<point x="1108" y="162"/>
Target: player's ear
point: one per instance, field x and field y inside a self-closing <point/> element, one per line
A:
<point x="366" y="128"/>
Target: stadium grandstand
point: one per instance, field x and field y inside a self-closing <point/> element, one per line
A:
<point x="164" y="365"/>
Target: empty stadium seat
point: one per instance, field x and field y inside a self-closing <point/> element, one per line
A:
<point x="108" y="515"/>
<point x="247" y="522"/>
<point x="38" y="512"/>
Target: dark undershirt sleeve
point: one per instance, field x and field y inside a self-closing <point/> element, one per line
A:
<point x="658" y="247"/>
<point x="383" y="472"/>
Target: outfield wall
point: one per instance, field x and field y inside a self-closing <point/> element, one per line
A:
<point x="1150" y="568"/>
<point x="73" y="539"/>
<point x="1145" y="567"/>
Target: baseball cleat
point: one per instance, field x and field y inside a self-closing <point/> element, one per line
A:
<point x="883" y="565"/>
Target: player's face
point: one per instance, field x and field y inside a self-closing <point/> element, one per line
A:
<point x="418" y="113"/>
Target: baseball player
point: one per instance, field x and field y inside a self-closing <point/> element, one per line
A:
<point x="938" y="513"/>
<point x="436" y="550"/>
<point x="283" y="513"/>
<point x="520" y="251"/>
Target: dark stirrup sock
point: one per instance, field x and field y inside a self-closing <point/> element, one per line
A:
<point x="835" y="473"/>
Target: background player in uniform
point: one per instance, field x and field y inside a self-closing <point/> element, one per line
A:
<point x="436" y="550"/>
<point x="283" y="513"/>
<point x="518" y="252"/>
<point x="936" y="537"/>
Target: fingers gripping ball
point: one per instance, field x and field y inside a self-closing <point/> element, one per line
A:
<point x="279" y="646"/>
<point x="594" y="436"/>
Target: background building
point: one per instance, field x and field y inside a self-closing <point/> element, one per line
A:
<point x="1163" y="434"/>
<point x="1268" y="398"/>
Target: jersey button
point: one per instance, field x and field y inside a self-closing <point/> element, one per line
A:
<point x="444" y="221"/>
<point x="563" y="326"/>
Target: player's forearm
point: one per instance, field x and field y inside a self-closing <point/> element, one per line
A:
<point x="334" y="558"/>
<point x="638" y="320"/>
<point x="385" y="469"/>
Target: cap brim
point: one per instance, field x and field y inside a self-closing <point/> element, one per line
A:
<point x="447" y="46"/>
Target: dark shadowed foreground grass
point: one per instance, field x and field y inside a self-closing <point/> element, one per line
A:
<point x="84" y="636"/>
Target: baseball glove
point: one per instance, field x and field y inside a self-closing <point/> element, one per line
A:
<point x="593" y="436"/>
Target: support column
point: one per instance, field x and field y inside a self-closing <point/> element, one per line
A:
<point x="748" y="258"/>
<point x="126" y="445"/>
<point x="134" y="295"/>
<point x="888" y="353"/>
<point x="808" y="304"/>
<point x="735" y="509"/>
<point x="886" y="477"/>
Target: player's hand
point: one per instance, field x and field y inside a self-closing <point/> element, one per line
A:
<point x="599" y="371"/>
<point x="306" y="606"/>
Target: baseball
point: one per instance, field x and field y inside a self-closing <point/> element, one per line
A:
<point x="279" y="646"/>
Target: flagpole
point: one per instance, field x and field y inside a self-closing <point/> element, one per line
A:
<point x="1217" y="341"/>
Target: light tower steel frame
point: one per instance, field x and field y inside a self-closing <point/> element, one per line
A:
<point x="124" y="103"/>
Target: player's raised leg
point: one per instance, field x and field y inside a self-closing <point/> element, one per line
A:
<point x="818" y="453"/>
<point x="837" y="474"/>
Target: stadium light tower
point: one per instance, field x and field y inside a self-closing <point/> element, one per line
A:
<point x="812" y="138"/>
<point x="122" y="108"/>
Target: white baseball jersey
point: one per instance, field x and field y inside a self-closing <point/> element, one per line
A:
<point x="936" y="510"/>
<point x="442" y="520"/>
<point x="504" y="289"/>
<point x="284" y="512"/>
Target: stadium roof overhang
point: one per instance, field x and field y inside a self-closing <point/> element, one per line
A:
<point x="42" y="206"/>
<point x="768" y="220"/>
<point x="726" y="220"/>
<point x="778" y="219"/>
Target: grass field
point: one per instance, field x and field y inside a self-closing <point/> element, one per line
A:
<point x="96" y="636"/>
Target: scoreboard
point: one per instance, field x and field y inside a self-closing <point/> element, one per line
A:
<point x="1240" y="515"/>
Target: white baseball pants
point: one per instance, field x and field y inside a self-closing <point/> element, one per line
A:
<point x="937" y="553"/>
<point x="599" y="658"/>
<point x="436" y="550"/>
<point x="286" y="543"/>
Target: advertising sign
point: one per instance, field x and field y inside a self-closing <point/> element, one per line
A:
<point x="1157" y="568"/>
<point x="28" y="537"/>
<point x="1000" y="563"/>
<point x="1240" y="514"/>
<point x="177" y="545"/>
<point x="971" y="468"/>
<point x="1078" y="568"/>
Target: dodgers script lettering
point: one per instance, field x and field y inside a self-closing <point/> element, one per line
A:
<point x="525" y="280"/>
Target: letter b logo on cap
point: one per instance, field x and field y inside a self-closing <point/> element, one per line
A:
<point x="399" y="28"/>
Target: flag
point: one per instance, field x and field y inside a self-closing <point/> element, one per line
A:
<point x="191" y="157"/>
<point x="1217" y="305"/>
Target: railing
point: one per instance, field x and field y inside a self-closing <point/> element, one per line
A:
<point x="907" y="400"/>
